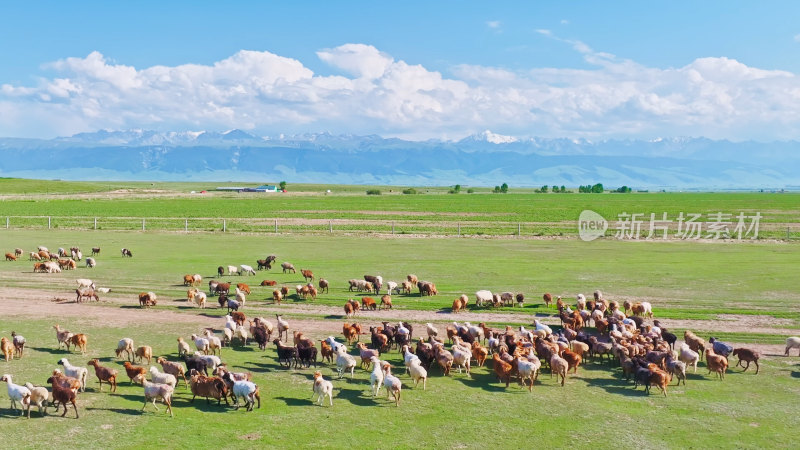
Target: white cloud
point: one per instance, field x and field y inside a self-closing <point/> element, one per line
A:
<point x="716" y="97"/>
<point x="493" y="24"/>
<point x="797" y="37"/>
<point x="363" y="61"/>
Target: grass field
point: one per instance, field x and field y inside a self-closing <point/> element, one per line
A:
<point x="460" y="411"/>
<point x="744" y="293"/>
<point x="680" y="277"/>
<point x="349" y="209"/>
<point x="686" y="282"/>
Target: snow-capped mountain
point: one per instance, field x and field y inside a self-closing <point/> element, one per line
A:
<point x="486" y="158"/>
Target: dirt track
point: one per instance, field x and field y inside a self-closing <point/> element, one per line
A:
<point x="40" y="304"/>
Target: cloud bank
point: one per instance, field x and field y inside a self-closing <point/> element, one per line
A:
<point x="372" y="92"/>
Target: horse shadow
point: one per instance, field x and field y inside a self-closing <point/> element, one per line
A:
<point x="356" y="397"/>
<point x="131" y="397"/>
<point x="15" y="412"/>
<point x="269" y="367"/>
<point x="616" y="386"/>
<point x="243" y="348"/>
<point x="125" y="411"/>
<point x="211" y="406"/>
<point x="488" y="382"/>
<point x="260" y="368"/>
<point x="52" y="351"/>
<point x="211" y="316"/>
<point x="290" y="401"/>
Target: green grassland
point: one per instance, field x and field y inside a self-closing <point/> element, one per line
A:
<point x="597" y="409"/>
<point x="678" y="278"/>
<point x="737" y="412"/>
<point x="349" y="209"/>
<point x="24" y="186"/>
<point x="681" y="279"/>
<point x="351" y="202"/>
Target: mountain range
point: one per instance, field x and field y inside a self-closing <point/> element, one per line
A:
<point x="484" y="159"/>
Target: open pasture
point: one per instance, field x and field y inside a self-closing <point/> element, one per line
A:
<point x="307" y="208"/>
<point x="745" y="292"/>
<point x="679" y="278"/>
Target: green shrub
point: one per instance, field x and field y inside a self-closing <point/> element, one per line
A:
<point x="407" y="191"/>
<point x="373" y="192"/>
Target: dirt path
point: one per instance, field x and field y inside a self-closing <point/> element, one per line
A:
<point x="40" y="304"/>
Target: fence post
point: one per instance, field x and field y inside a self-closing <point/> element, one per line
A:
<point x="393" y="227"/>
<point x="519" y="229"/>
<point x="330" y="226"/>
<point x="459" y="229"/>
<point x="95" y="223"/>
<point x="48" y="222"/>
<point x="787" y="233"/>
<point x="224" y="225"/>
<point x="6" y="223"/>
<point x="186" y="225"/>
<point x="143" y="228"/>
<point x="276" y="225"/>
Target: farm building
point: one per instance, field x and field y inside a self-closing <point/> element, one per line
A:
<point x="262" y="188"/>
<point x="231" y="188"/>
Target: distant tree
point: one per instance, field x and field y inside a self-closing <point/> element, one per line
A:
<point x="496" y="189"/>
<point x="283" y="185"/>
<point x="554" y="188"/>
<point x="504" y="188"/>
<point x="543" y="188"/>
<point x="457" y="188"/>
<point x="563" y="188"/>
<point x="623" y="189"/>
<point x="470" y="191"/>
<point x="589" y="188"/>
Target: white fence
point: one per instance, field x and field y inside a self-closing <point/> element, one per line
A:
<point x="431" y="227"/>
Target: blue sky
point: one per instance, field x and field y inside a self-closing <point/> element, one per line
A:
<point x="727" y="70"/>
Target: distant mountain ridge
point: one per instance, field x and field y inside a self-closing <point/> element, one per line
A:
<point x="483" y="159"/>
